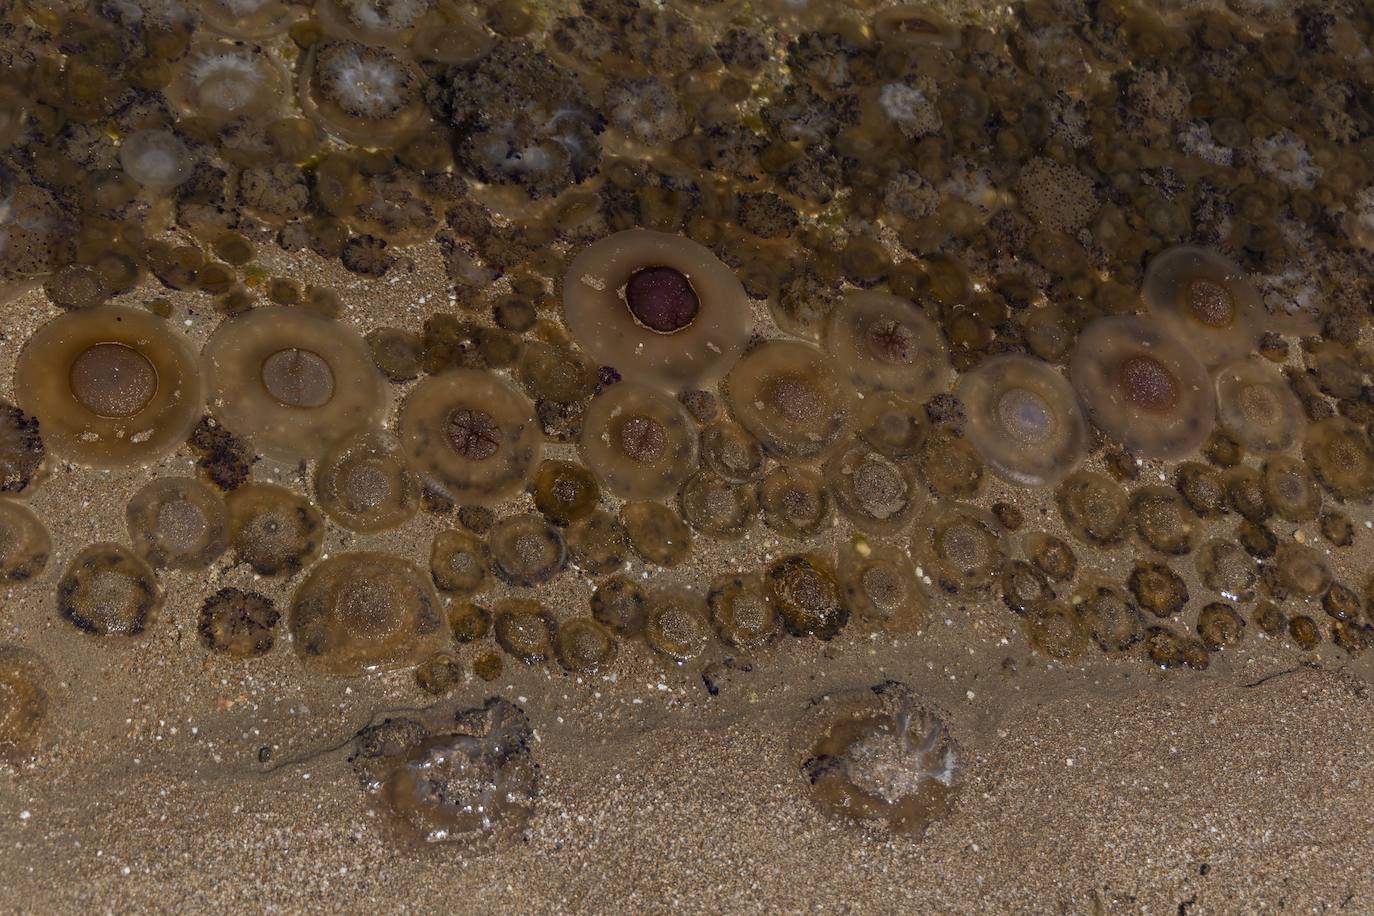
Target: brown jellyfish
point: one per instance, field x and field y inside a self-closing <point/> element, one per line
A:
<point x="657" y="533"/>
<point x="879" y="496"/>
<point x="1056" y="632"/>
<point x="791" y="396"/>
<point x="883" y="341"/>
<point x="246" y="18"/>
<point x="24" y="702"/>
<point x="1142" y="387"/>
<point x="620" y="603"/>
<point x="584" y="645"/>
<point x="729" y="450"/>
<point x="1290" y="489"/>
<point x="598" y="544"/>
<point x="795" y="501"/>
<point x="805" y="590"/>
<point x="1164" y="521"/>
<point x="273" y="530"/>
<point x="110" y="386"/>
<point x="106" y="590"/>
<point x="1205" y="300"/>
<point x="718" y="507"/>
<point x="178" y="523"/>
<point x="459" y="563"/>
<point x="1341" y="458"/>
<point x="361" y="94"/>
<point x="1256" y="404"/>
<point x="364" y="611"/>
<point x="893" y="424"/>
<point x="1023" y="418"/>
<point x="292" y="381"/>
<point x="660" y="308"/>
<point x="526" y="550"/>
<point x="880" y="587"/>
<point x="960" y="548"/>
<point x="364" y="484"/>
<point x="224" y="81"/>
<point x="1110" y="617"/>
<point x="640" y="443"/>
<point x="676" y="623"/>
<point x="472" y="434"/>
<point x="525" y="629"/>
<point x="742" y="610"/>
<point x="21" y="449"/>
<point x="237" y="623"/>
<point x="1094" y="508"/>
<point x="25" y="544"/>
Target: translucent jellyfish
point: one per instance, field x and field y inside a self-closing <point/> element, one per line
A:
<point x="110" y="386"/>
<point x="525" y="629"/>
<point x="1256" y="404"/>
<point x="598" y="544"/>
<point x="364" y="483"/>
<point x="178" y="523"/>
<point x="472" y="434"/>
<point x="223" y="81"/>
<point x="657" y="533"/>
<point x="881" y="757"/>
<point x="893" y="424"/>
<point x="1094" y="508"/>
<point x="21" y="449"/>
<point x="718" y="507"/>
<point x="292" y="381"/>
<point x="1204" y="300"/>
<point x="584" y="645"/>
<point x="1056" y="632"/>
<point x="1143" y="387"/>
<point x="960" y="547"/>
<point x="273" y="530"/>
<point x="238" y="623"/>
<point x="660" y="308"/>
<point x="676" y="623"/>
<point x="25" y="544"/>
<point x="729" y="450"/>
<point x="1024" y="420"/>
<point x="383" y="22"/>
<point x="1110" y="617"/>
<point x="886" y="342"/>
<point x="246" y="18"/>
<point x="640" y="443"/>
<point x="1164" y="521"/>
<point x="791" y="396"/>
<point x="564" y="491"/>
<point x="361" y="94"/>
<point x="877" y="495"/>
<point x="795" y="501"/>
<point x="464" y="778"/>
<point x="742" y="610"/>
<point x="1341" y="457"/>
<point x="365" y="611"/>
<point x="526" y="550"/>
<point x="1290" y="489"/>
<point x="24" y="702"/>
<point x="620" y="603"/>
<point x="880" y="587"/>
<point x="157" y="159"/>
<point x="106" y="590"/>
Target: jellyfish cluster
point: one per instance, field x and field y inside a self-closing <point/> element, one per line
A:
<point x="792" y="322"/>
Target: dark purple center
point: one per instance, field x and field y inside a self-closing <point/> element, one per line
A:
<point x="661" y="299"/>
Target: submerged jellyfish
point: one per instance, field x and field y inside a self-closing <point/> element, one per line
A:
<point x="1205" y="300"/>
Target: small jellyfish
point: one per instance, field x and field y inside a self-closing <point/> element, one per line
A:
<point x="885" y="342"/>
<point x="110" y="386"/>
<point x="640" y="443"/>
<point x="459" y="563"/>
<point x="1142" y="387"/>
<point x="676" y="623"/>
<point x="1302" y="570"/>
<point x="880" y="587"/>
<point x="1256" y="404"/>
<point x="1164" y="521"/>
<point x="472" y="434"/>
<point x="881" y="757"/>
<point x="656" y="532"/>
<point x="584" y="645"/>
<point x="364" y="484"/>
<point x="25" y="544"/>
<point x="878" y="495"/>
<point x="621" y="604"/>
<point x="1158" y="589"/>
<point x="564" y="491"/>
<point x="951" y="466"/>
<point x="525" y="629"/>
<point x="237" y="623"/>
<point x="21" y="449"/>
<point x="24" y="701"/>
<point x="598" y="544"/>
<point x="1051" y="555"/>
<point x="1023" y="419"/>
<point x="1094" y="508"/>
<point x="1290" y="489"/>
<point x="731" y="452"/>
<point x="365" y="611"/>
<point x="178" y="523"/>
<point x="1024" y="587"/>
<point x="807" y="595"/>
<point x="469" y="622"/>
<point x="660" y="308"/>
<point x="1341" y="458"/>
<point x="107" y="590"/>
<point x="742" y="610"/>
<point x="526" y="550"/>
<point x="361" y="94"/>
<point x="292" y="381"/>
<point x="960" y="547"/>
<point x="157" y="159"/>
<point x="791" y="397"/>
<point x="1227" y="569"/>
<point x="1219" y="625"/>
<point x="891" y="423"/>
<point x="273" y="530"/>
<point x="1204" y="300"/>
<point x="795" y="501"/>
<point x="1110" y="617"/>
<point x="1056" y="632"/>
<point x="246" y="18"/>
<point x="715" y="506"/>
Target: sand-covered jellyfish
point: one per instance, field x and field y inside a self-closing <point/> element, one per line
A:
<point x="584" y="645"/>
<point x="1163" y="520"/>
<point x="676" y="624"/>
<point x="290" y="380"/>
<point x="472" y="434"/>
<point x="960" y="547"/>
<point x="1142" y="386"/>
<point x="25" y="544"/>
<point x="880" y="586"/>
<point x="526" y="550"/>
<point x="657" y="534"/>
<point x="24" y="701"/>
<point x="274" y="530"/>
<point x="886" y="342"/>
<point x="1023" y="418"/>
<point x="806" y="592"/>
<point x="742" y="610"/>
<point x="1205" y="300"/>
<point x="364" y="483"/>
<point x="1290" y="489"/>
<point x="598" y="544"/>
<point x="465" y="778"/>
<point x="178" y="523"/>
<point x="361" y="94"/>
<point x="795" y="501"/>
<point x="525" y="629"/>
<point x="1341" y="458"/>
<point x="621" y="604"/>
<point x="893" y="424"/>
<point x="639" y="442"/>
<point x="660" y="308"/>
<point x="1256" y="405"/>
<point x="21" y="449"/>
<point x="882" y="757"/>
<point x="224" y="81"/>
<point x="246" y="18"/>
<point x="238" y="623"/>
<point x="106" y="590"/>
<point x="110" y="386"/>
<point x="728" y="449"/>
<point x="564" y="491"/>
<point x="791" y="396"/>
<point x="716" y="506"/>
<point x="365" y="611"/>
<point x="878" y="495"/>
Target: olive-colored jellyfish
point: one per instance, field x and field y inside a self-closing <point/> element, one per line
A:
<point x="881" y="757"/>
<point x="246" y="18"/>
<point x="620" y="603"/>
<point x="564" y="491"/>
<point x="1094" y="508"/>
<point x="381" y="22"/>
<point x="791" y="396"/>
<point x="1023" y="418"/>
<point x="795" y="501"/>
<point x="526" y="550"/>
<point x="676" y="623"/>
<point x="1341" y="457"/>
<point x="1205" y="300"/>
<point x="584" y="645"/>
<point x="364" y="484"/>
<point x="660" y="308"/>
<point x="178" y="523"/>
<point x="1290" y="489"/>
<point x="640" y="443"/>
<point x="657" y="533"/>
<point x="960" y="547"/>
<point x="742" y="610"/>
<point x="362" y="94"/>
<point x="893" y="424"/>
<point x="525" y="629"/>
<point x="365" y="611"/>
<point x="880" y="586"/>
<point x="273" y="530"/>
<point x="806" y="593"/>
<point x="877" y="495"/>
<point x="238" y="623"/>
<point x="1256" y="405"/>
<point x="729" y="450"/>
<point x="107" y="590"/>
<point x="110" y="386"/>
<point x="223" y="81"/>
<point x="883" y="341"/>
<point x="1142" y="386"/>
<point x="716" y="506"/>
<point x="24" y="703"/>
<point x="25" y="544"/>
<point x="21" y="449"/>
<point x="1109" y="616"/>
<point x="471" y="434"/>
<point x="291" y="380"/>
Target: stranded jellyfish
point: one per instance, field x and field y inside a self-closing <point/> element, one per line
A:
<point x="111" y="386"/>
<point x="360" y="612"/>
<point x="960" y="547"/>
<point x="1143" y="387"/>
<point x="791" y="397"/>
<point x="640" y="443"/>
<point x="361" y="94"/>
<point x="24" y="542"/>
<point x="178" y="523"/>
<point x="107" y="590"/>
<point x="881" y="588"/>
<point x="1341" y="458"/>
<point x="877" y="495"/>
<point x="1023" y="419"/>
<point x="471" y="434"/>
<point x="238" y="623"/>
<point x="246" y="18"/>
<point x="223" y="81"/>
<point x="881" y="757"/>
<point x="742" y="610"/>
<point x="660" y="308"/>
<point x="21" y="449"/>
<point x="883" y="341"/>
<point x="273" y="530"/>
<point x="1256" y="405"/>
<point x="290" y="380"/>
<point x="1205" y="301"/>
<point x="24" y="680"/>
<point x="364" y="484"/>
